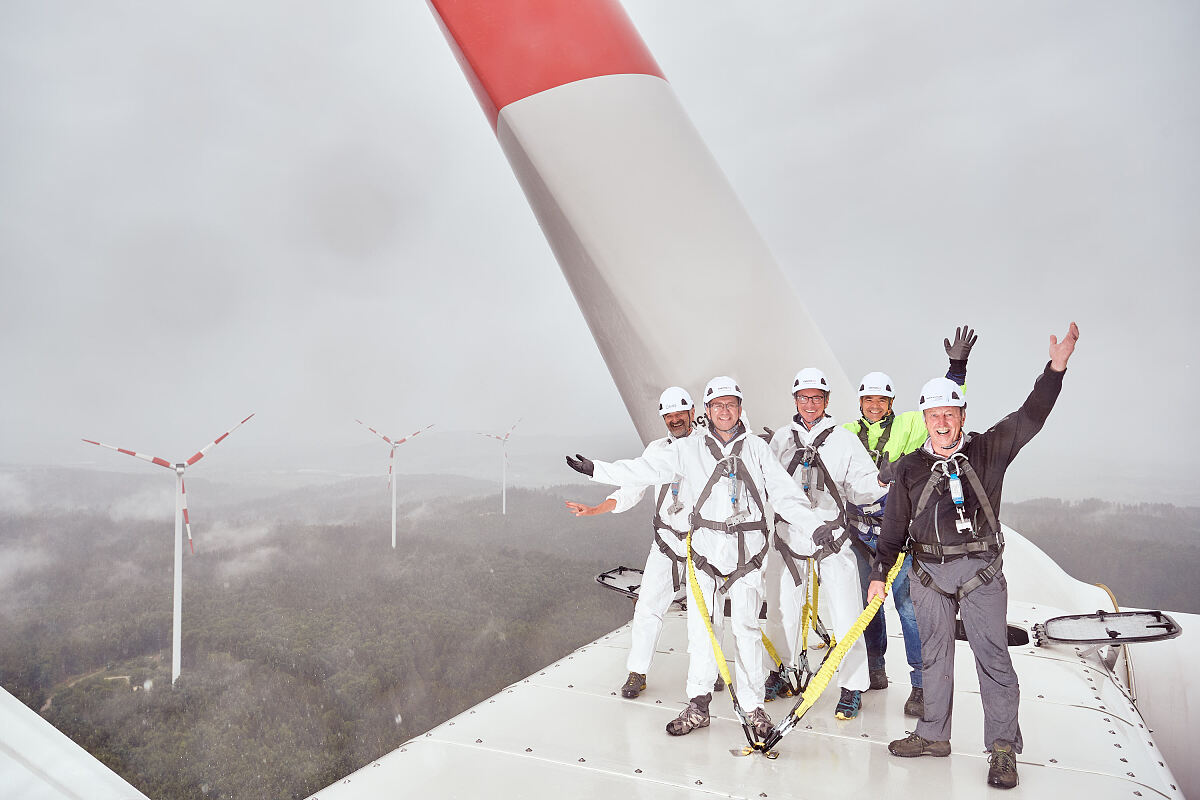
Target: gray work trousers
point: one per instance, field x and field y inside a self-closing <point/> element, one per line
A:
<point x="984" y="613"/>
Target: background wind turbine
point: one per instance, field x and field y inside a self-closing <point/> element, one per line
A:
<point x="181" y="520"/>
<point x="503" y="463"/>
<point x="391" y="466"/>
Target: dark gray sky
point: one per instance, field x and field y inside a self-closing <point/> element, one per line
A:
<point x="298" y="209"/>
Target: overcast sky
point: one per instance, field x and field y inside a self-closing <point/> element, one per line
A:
<point x="298" y="209"/>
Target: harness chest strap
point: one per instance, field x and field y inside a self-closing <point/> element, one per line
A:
<point x="826" y="479"/>
<point x="981" y="545"/>
<point x="985" y="504"/>
<point x="745" y="565"/>
<point x="877" y="455"/>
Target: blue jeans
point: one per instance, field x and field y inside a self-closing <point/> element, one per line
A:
<point x="875" y="635"/>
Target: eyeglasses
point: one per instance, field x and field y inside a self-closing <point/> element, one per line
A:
<point x="725" y="406"/>
<point x="804" y="400"/>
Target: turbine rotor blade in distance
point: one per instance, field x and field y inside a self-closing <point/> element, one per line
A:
<point x="513" y="428"/>
<point x="377" y="433"/>
<point x="204" y="450"/>
<point x="162" y="462"/>
<point x="414" y="433"/>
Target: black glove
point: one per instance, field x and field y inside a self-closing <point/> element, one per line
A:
<point x="964" y="340"/>
<point x="581" y="464"/>
<point x="767" y="434"/>
<point x="824" y="538"/>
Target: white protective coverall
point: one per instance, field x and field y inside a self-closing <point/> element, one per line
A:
<point x="658" y="586"/>
<point x="857" y="479"/>
<point x="692" y="462"/>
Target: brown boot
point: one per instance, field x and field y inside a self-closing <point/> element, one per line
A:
<point x="635" y="684"/>
<point x="912" y="746"/>
<point x="695" y="715"/>
<point x="1003" y="770"/>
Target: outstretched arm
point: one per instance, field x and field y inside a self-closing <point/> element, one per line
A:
<point x="1060" y="352"/>
<point x="580" y="510"/>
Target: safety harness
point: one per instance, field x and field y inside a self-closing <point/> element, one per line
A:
<point x="864" y="432"/>
<point x="952" y="470"/>
<point x="660" y="525"/>
<point x="815" y="477"/>
<point x="738" y="523"/>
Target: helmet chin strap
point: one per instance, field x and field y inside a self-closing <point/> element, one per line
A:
<point x="953" y="445"/>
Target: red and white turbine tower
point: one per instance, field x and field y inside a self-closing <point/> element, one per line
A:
<point x="503" y="463"/>
<point x="391" y="465"/>
<point x="181" y="520"/>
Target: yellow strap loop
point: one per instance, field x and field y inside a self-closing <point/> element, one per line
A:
<point x="821" y="680"/>
<point x="698" y="596"/>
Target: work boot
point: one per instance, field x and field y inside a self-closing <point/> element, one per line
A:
<point x="719" y="685"/>
<point x="912" y="746"/>
<point x="635" y="684"/>
<point x="1003" y="770"/>
<point x="848" y="706"/>
<point x="695" y="715"/>
<point x="914" y="706"/>
<point x="879" y="679"/>
<point x="761" y="723"/>
<point x="776" y="686"/>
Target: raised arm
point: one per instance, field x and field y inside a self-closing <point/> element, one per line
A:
<point x="958" y="352"/>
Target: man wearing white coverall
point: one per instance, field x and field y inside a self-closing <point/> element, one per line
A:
<point x="856" y="480"/>
<point x="727" y="517"/>
<point x="664" y="570"/>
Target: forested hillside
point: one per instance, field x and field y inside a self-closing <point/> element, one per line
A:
<point x="308" y="650"/>
<point x="311" y="647"/>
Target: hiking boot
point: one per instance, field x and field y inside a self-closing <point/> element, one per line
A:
<point x="878" y="679"/>
<point x="912" y="746"/>
<point x="635" y="684"/>
<point x="1003" y="770"/>
<point x="695" y="715"/>
<point x="776" y="686"/>
<point x="914" y="706"/>
<point x="848" y="706"/>
<point x="719" y="686"/>
<point x="761" y="723"/>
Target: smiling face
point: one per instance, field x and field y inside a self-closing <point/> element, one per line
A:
<point x="875" y="407"/>
<point x="679" y="423"/>
<point x="811" y="403"/>
<point x="724" y="412"/>
<point x="944" y="424"/>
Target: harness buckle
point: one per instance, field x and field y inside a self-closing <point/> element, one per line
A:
<point x="675" y="507"/>
<point x="737" y="518"/>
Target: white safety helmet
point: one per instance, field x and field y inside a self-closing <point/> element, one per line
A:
<point x="876" y="384"/>
<point x="675" y="399"/>
<point x="942" y="392"/>
<point x="810" y="378"/>
<point x="721" y="386"/>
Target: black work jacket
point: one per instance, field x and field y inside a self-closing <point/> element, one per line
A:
<point x="989" y="454"/>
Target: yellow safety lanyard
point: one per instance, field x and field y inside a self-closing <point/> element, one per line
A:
<point x="825" y="674"/>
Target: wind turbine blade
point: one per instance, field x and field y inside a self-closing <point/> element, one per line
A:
<point x="414" y="433"/>
<point x="491" y="436"/>
<point x="186" y="522"/>
<point x="162" y="462"/>
<point x="203" y="451"/>
<point x="513" y="428"/>
<point x="391" y="464"/>
<point x="372" y="430"/>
